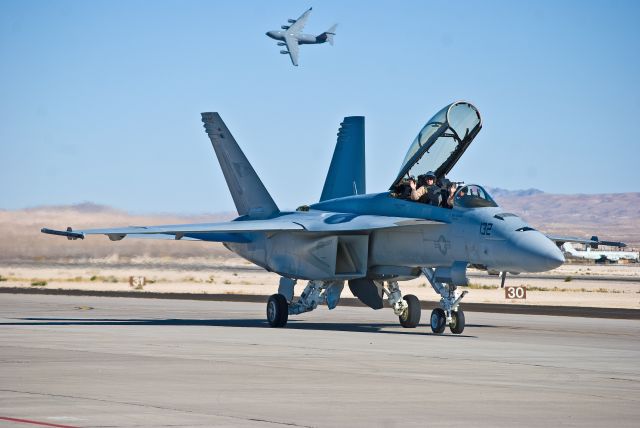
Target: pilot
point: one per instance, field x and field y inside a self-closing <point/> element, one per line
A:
<point x="427" y="192"/>
<point x="443" y="183"/>
<point x="403" y="189"/>
<point x="447" y="202"/>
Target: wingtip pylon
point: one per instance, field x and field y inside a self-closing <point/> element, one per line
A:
<point x="69" y="233"/>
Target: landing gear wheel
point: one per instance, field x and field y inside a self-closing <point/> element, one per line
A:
<point x="277" y="310"/>
<point x="457" y="322"/>
<point x="438" y="321"/>
<point x="411" y="316"/>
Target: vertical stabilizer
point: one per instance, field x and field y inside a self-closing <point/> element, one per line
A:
<point x="568" y="248"/>
<point x="327" y="36"/>
<point x="346" y="174"/>
<point x="248" y="192"/>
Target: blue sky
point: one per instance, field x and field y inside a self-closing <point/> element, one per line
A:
<point x="100" y="101"/>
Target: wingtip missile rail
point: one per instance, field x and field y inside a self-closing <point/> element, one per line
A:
<point x="69" y="233"/>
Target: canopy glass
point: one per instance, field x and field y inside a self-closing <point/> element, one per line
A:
<point x="441" y="142"/>
<point x="473" y="196"/>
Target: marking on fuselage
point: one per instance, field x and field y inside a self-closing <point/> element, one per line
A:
<point x="472" y="251"/>
<point x="442" y="245"/>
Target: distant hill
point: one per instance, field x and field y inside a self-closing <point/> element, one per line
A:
<point x="499" y="193"/>
<point x="82" y="208"/>
<point x="609" y="216"/>
<point x="614" y="216"/>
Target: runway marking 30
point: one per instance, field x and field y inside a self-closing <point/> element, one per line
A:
<point x="515" y="292"/>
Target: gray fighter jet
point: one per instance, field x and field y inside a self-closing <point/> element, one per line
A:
<point x="371" y="241"/>
<point x="291" y="36"/>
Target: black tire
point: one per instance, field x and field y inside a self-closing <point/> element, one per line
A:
<point x="277" y="310"/>
<point x="411" y="317"/>
<point x="457" y="322"/>
<point x="438" y="321"/>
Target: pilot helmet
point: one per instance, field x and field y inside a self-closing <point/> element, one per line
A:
<point x="430" y="174"/>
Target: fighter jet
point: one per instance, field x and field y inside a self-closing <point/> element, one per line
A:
<point x="371" y="241"/>
<point x="292" y="36"/>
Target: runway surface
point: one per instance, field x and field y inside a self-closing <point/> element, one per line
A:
<point x="85" y="361"/>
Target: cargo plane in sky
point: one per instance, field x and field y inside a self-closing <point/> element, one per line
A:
<point x="291" y="36"/>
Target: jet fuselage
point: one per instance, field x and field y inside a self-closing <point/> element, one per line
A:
<point x="479" y="236"/>
<point x="303" y="39"/>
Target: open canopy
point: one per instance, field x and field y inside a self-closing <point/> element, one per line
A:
<point x="442" y="141"/>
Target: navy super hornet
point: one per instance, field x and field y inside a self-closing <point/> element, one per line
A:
<point x="371" y="241"/>
<point x="291" y="36"/>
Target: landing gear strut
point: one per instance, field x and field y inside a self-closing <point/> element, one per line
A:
<point x="410" y="318"/>
<point x="281" y="305"/>
<point x="407" y="308"/>
<point x="449" y="312"/>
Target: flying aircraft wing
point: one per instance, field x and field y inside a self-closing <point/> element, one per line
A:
<point x="299" y="23"/>
<point x="292" y="48"/>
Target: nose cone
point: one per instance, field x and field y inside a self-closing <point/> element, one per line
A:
<point x="537" y="253"/>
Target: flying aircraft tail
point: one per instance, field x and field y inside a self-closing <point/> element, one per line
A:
<point x="327" y="36"/>
<point x="249" y="194"/>
<point x="346" y="174"/>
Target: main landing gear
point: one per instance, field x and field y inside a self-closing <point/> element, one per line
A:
<point x="281" y="305"/>
<point x="277" y="310"/>
<point x="407" y="308"/>
<point x="449" y="312"/>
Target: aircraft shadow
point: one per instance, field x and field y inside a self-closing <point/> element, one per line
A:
<point x="243" y="323"/>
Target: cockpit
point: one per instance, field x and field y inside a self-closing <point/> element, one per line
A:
<point x="434" y="152"/>
<point x="473" y="196"/>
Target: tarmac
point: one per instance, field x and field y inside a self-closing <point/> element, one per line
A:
<point x="87" y="361"/>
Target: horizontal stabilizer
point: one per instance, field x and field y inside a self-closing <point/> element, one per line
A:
<point x="327" y="36"/>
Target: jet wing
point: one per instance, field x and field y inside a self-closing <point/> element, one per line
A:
<point x="232" y="231"/>
<point x="299" y="23"/>
<point x="594" y="241"/>
<point x="292" y="48"/>
<point x="237" y="231"/>
<point x="343" y="222"/>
